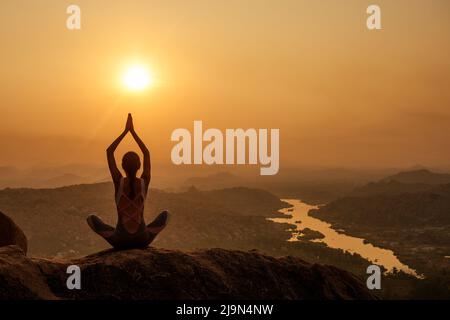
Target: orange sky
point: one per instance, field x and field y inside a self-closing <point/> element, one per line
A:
<point x="340" y="94"/>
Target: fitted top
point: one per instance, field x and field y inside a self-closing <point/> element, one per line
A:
<point x="131" y="211"/>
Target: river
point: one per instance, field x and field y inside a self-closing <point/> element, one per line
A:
<point x="336" y="240"/>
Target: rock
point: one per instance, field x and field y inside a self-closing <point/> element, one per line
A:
<point x="20" y="278"/>
<point x="11" y="234"/>
<point x="167" y="274"/>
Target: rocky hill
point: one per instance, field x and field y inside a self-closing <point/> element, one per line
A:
<point x="169" y="274"/>
<point x="408" y="213"/>
<point x="409" y="209"/>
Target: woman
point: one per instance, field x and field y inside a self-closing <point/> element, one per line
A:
<point x="130" y="193"/>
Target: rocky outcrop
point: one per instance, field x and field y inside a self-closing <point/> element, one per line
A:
<point x="163" y="274"/>
<point x="20" y="278"/>
<point x="11" y="234"/>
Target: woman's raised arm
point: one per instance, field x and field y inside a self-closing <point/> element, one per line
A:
<point x="115" y="172"/>
<point x="146" y="170"/>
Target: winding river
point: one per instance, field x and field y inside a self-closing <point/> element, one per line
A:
<point x="335" y="240"/>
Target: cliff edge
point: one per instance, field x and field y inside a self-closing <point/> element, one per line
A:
<point x="167" y="274"/>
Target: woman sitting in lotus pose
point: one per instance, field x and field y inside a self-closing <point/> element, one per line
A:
<point x="130" y="193"/>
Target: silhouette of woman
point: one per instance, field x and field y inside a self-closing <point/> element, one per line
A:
<point x="130" y="193"/>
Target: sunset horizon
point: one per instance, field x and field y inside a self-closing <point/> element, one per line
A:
<point x="344" y="96"/>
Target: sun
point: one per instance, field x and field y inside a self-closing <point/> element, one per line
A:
<point x="137" y="78"/>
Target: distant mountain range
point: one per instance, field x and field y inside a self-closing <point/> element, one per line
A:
<point x="406" y="182"/>
<point x="390" y="187"/>
<point x="391" y="207"/>
<point x="423" y="176"/>
<point x="215" y="181"/>
<point x="51" y="177"/>
<point x="408" y="198"/>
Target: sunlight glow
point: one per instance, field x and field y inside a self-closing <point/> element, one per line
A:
<point x="137" y="78"/>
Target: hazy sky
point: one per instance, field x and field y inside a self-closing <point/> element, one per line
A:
<point x="340" y="94"/>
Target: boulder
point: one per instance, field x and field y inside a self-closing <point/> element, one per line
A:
<point x="20" y="278"/>
<point x="11" y="234"/>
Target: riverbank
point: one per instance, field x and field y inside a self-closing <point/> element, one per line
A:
<point x="424" y="249"/>
<point x="298" y="216"/>
<point x="409" y="245"/>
